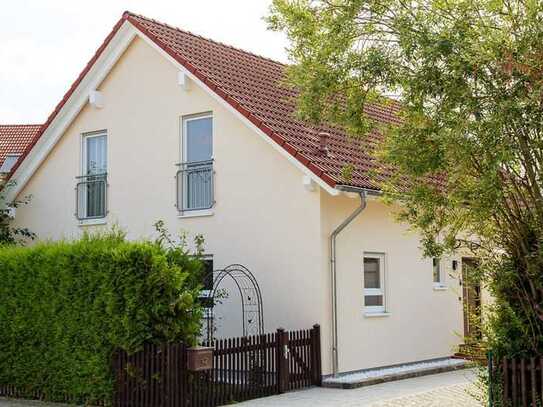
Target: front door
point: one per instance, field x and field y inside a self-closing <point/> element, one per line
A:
<point x="471" y="291"/>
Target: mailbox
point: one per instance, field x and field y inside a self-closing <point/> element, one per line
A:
<point x="199" y="358"/>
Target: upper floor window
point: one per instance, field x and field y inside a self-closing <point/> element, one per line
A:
<point x="92" y="184"/>
<point x="8" y="163"/>
<point x="374" y="282"/>
<point x="94" y="154"/>
<point x="195" y="175"/>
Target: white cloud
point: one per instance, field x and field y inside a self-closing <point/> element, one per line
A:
<point x="44" y="44"/>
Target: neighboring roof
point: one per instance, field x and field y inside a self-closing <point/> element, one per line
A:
<point x="14" y="138"/>
<point x="253" y="85"/>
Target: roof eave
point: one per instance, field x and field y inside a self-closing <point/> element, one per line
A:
<point x="350" y="188"/>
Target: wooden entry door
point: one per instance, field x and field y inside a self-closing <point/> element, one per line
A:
<point x="471" y="291"/>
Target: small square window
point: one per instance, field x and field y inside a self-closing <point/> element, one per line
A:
<point x="374" y="283"/>
<point x="373" y="300"/>
<point x="372" y="273"/>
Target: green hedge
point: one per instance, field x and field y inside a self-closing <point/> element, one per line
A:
<point x="66" y="306"/>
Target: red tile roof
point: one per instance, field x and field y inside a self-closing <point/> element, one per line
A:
<point x="14" y="138"/>
<point x="253" y="85"/>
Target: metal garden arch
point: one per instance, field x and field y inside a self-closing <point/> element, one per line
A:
<point x="251" y="298"/>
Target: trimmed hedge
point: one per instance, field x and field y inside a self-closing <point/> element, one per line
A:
<point x="66" y="306"/>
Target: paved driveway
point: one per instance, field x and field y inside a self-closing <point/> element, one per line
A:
<point x="441" y="390"/>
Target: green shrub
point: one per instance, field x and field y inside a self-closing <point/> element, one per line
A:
<point x="66" y="306"/>
<point x="8" y="234"/>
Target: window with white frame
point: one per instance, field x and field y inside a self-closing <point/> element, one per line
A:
<point x="8" y="163"/>
<point x="92" y="184"/>
<point x="195" y="175"/>
<point x="436" y="269"/>
<point x="374" y="282"/>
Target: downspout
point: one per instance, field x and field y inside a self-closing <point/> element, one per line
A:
<point x="333" y="236"/>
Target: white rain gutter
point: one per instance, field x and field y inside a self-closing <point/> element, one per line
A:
<point x="363" y="202"/>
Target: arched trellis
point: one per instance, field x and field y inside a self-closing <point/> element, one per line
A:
<point x="251" y="298"/>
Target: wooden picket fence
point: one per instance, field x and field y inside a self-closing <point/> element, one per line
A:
<point x="244" y="368"/>
<point x="520" y="381"/>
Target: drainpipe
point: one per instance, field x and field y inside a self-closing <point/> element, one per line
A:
<point x="333" y="236"/>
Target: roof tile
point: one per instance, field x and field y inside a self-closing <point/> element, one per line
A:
<point x="254" y="85"/>
<point x="14" y="138"/>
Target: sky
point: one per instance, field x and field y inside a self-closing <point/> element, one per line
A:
<point x="45" y="44"/>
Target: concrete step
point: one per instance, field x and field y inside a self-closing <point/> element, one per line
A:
<point x="368" y="377"/>
<point x="473" y="352"/>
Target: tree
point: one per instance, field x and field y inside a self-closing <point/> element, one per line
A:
<point x="10" y="235"/>
<point x="469" y="142"/>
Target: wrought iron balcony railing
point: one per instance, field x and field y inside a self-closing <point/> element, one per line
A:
<point x="195" y="186"/>
<point x="91" y="196"/>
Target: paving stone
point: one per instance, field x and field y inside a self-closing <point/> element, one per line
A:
<point x="449" y="396"/>
<point x="441" y="390"/>
<point x="450" y="389"/>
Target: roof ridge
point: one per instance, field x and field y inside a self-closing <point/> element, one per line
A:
<point x="127" y="14"/>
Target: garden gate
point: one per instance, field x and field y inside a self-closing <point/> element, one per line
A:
<point x="244" y="368"/>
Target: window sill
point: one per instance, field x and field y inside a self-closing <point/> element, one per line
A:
<point x="440" y="288"/>
<point x="92" y="222"/>
<point x="376" y="314"/>
<point x="196" y="214"/>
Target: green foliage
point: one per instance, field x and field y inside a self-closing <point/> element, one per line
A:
<point x="480" y="389"/>
<point x="469" y="79"/>
<point x="12" y="235"/>
<point x="510" y="327"/>
<point x="66" y="306"/>
<point x="347" y="173"/>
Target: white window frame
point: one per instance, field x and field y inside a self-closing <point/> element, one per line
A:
<point x="184" y="120"/>
<point x="84" y="168"/>
<point x="191" y="117"/>
<point x="84" y="138"/>
<point x="375" y="309"/>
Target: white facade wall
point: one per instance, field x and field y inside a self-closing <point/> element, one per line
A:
<point x="264" y="218"/>
<point x="421" y="322"/>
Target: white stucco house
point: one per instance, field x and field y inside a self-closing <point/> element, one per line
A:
<point x="164" y="124"/>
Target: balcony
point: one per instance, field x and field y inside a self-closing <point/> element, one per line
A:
<point x="91" y="196"/>
<point x="195" y="186"/>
